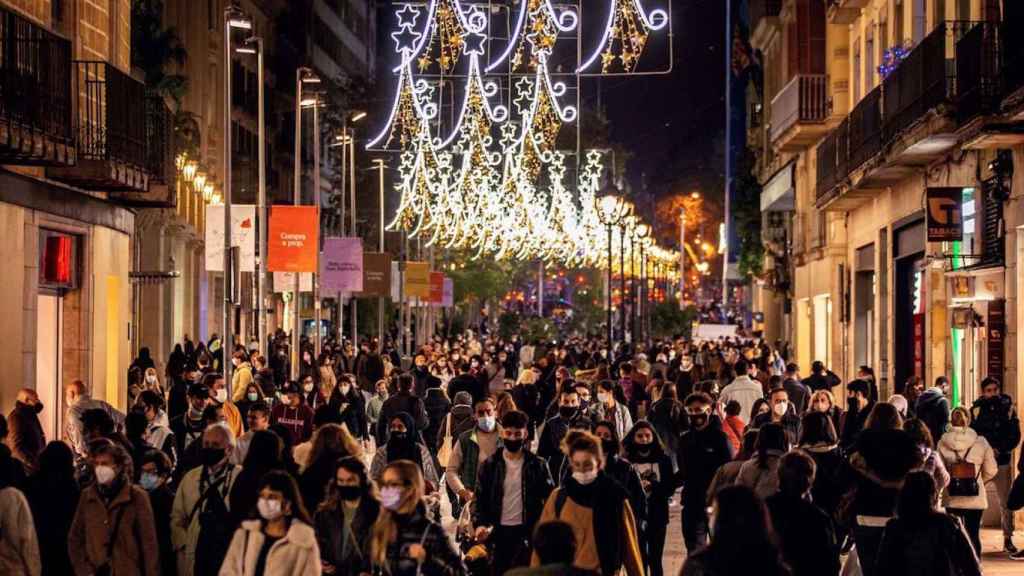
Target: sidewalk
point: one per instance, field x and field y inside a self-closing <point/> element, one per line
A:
<point x="994" y="561"/>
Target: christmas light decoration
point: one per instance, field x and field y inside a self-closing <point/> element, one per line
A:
<point x="625" y="35"/>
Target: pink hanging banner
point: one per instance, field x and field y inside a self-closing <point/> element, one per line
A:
<point x="341" y="265"/>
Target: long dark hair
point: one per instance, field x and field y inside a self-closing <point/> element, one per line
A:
<point x="630" y="446"/>
<point x="771" y="436"/>
<point x="281" y="481"/>
<point x="743" y="540"/>
<point x="356" y="467"/>
<point x="918" y="497"/>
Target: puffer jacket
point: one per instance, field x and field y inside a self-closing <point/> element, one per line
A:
<point x="295" y="554"/>
<point x="962" y="444"/>
<point x="996" y="419"/>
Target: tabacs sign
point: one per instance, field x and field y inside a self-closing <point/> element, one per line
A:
<point x="945" y="214"/>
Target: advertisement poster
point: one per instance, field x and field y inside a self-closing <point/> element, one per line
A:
<point x="417" y="280"/>
<point x="341" y="265"/>
<point x="376" y="274"/>
<point x="285" y="282"/>
<point x="436" y="288"/>
<point x="448" y="298"/>
<point x="292" y="239"/>
<point x="243" y="235"/>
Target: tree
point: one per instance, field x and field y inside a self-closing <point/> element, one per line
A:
<point x="668" y="321"/>
<point x="155" y="48"/>
<point x="747" y="218"/>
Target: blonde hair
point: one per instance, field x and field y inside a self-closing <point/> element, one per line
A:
<point x="333" y="438"/>
<point x="385" y="529"/>
<point x="825" y="393"/>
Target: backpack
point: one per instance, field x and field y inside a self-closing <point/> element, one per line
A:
<point x="963" y="476"/>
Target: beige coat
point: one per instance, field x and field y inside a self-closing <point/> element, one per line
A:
<point x="135" y="549"/>
<point x="966" y="444"/>
<point x="297" y="554"/>
<point x="185" y="534"/>
<point x="19" y="549"/>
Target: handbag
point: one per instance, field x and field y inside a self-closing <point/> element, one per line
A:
<point x="445" y="452"/>
<point x="963" y="477"/>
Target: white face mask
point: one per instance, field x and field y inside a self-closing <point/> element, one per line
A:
<point x="105" y="474"/>
<point x="308" y="387"/>
<point x="269" y="509"/>
<point x="391" y="497"/>
<point x="585" y="478"/>
<point x="602" y="397"/>
<point x="221" y="395"/>
<point x="780" y="408"/>
<point x="487" y="423"/>
<point x="344" y="390"/>
<point x="151" y="379"/>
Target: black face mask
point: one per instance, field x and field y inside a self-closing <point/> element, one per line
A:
<point x="37" y="407"/>
<point x="513" y="446"/>
<point x="399" y="436"/>
<point x="349" y="493"/>
<point x="211" y="456"/>
<point x="567" y="411"/>
<point x="610" y="447"/>
<point x="643" y="449"/>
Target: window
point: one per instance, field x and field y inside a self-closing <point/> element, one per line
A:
<point x="897" y="23"/>
<point x="856" y="70"/>
<point x="869" y="59"/>
<point x="883" y="35"/>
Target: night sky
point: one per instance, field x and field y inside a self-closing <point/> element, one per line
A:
<point x="674" y="123"/>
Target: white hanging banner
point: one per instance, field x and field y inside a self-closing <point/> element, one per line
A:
<point x="243" y="235"/>
<point x="285" y="282"/>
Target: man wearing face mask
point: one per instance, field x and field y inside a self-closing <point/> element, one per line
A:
<point x="219" y="395"/>
<point x="513" y="486"/>
<point x="25" y="436"/>
<point x="241" y="375"/>
<point x="781" y="413"/>
<point x="472" y="449"/>
<point x="424" y="379"/>
<point x="201" y="523"/>
<point x="703" y="449"/>
<point x="294" y="414"/>
<point x="859" y="406"/>
<point x="113" y="531"/>
<point x="189" y="427"/>
<point x="569" y="416"/>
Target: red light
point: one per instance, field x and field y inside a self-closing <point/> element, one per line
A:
<point x="57" y="260"/>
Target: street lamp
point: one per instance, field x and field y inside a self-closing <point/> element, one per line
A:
<point x="254" y="45"/>
<point x="611" y="209"/>
<point x="625" y="231"/>
<point x="641" y="233"/>
<point x="233" y="19"/>
<point x="349" y="148"/>
<point x="303" y="76"/>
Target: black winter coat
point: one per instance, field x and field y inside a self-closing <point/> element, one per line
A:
<point x="936" y="547"/>
<point x="537" y="486"/>
<point x="437" y="406"/>
<point x="807" y="535"/>
<point x="330" y="534"/>
<point x="400" y="402"/>
<point x="996" y="419"/>
<point x="701" y="453"/>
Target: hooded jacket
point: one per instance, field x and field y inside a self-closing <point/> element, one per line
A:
<point x="996" y="419"/>
<point x="962" y="444"/>
<point x="701" y="453"/>
<point x="296" y="553"/>
<point x="933" y="408"/>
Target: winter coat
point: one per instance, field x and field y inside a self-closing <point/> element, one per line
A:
<point x="962" y="444"/>
<point x="881" y="462"/>
<point x="734" y="426"/>
<point x="437" y="406"/>
<point x="25" y="435"/>
<point x="832" y="476"/>
<point x="762" y="479"/>
<point x="184" y="523"/>
<point x="352" y="408"/>
<point x="799" y="394"/>
<point x="657" y="482"/>
<point x="401" y="402"/>
<point x="19" y="548"/>
<point x="996" y="419"/>
<point x="936" y="547"/>
<point x="549" y="446"/>
<point x="826" y="381"/>
<point x="932" y="408"/>
<point x="441" y="560"/>
<point x="743" y="390"/>
<point x="668" y="416"/>
<point x="701" y="453"/>
<point x="490" y="489"/>
<point x="135" y="549"/>
<point x="806" y="535"/>
<point x="330" y="534"/>
<point x="240" y="380"/>
<point x="295" y="554"/>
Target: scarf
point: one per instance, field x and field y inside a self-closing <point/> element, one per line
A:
<point x="605" y="497"/>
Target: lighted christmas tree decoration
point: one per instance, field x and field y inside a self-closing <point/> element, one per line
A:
<point x="625" y="35"/>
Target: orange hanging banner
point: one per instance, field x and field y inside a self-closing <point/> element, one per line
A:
<point x="436" y="287"/>
<point x="292" y="239"/>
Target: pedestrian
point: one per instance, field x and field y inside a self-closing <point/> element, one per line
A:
<point x="157" y="433"/>
<point x="331" y="442"/>
<point x="971" y="463"/>
<point x="994" y="417"/>
<point x="921" y="540"/>
<point x="823" y="401"/>
<point x="437" y="405"/>
<point x="241" y="375"/>
<point x="615" y="467"/>
<point x="555" y="545"/>
<point x="348" y="401"/>
<point x="371" y="369"/>
<point x="113" y="531"/>
<point x="933" y="464"/>
<point x="154" y="478"/>
<point x="251" y="395"/>
<point x="742" y="389"/>
<point x="25" y="435"/>
<point x="859" y="407"/>
<point x="265" y="455"/>
<point x="257" y="418"/>
<point x="201" y="522"/>
<point x="598" y="510"/>
<point x="883" y="456"/>
<point x="609" y="409"/>
<point x="760" y="473"/>
<point x="570" y="416"/>
<point x="403" y="541"/>
<point x="513" y="486"/>
<point x="799" y="393"/>
<point x="376" y="402"/>
<point x="743" y="541"/>
<point x="188" y="427"/>
<point x="317" y="392"/>
<point x="780" y="412"/>
<point x="78" y="400"/>
<point x="733" y="425"/>
<point x="19" y="543"/>
<point x="470" y="451"/>
<point x="219" y="397"/>
<point x="832" y="477"/>
<point x="403" y="401"/>
<point x="727" y="473"/>
<point x="668" y="416"/>
<point x="703" y="449"/>
<point x="933" y="407"/>
<point x="820" y="378"/>
<point x="644" y="451"/>
<point x="806" y="533"/>
<point x="403" y="444"/>
<point x="278" y="540"/>
<point x="53" y="498"/>
<point x="345" y="518"/>
<point x="294" y="414"/>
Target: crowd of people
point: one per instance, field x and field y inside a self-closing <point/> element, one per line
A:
<point x="490" y="455"/>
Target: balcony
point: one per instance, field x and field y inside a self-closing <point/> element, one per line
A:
<point x="111" y="133"/>
<point x="845" y="11"/>
<point x="159" y="159"/>
<point x="799" y="112"/>
<point x="35" y="94"/>
<point x="945" y="83"/>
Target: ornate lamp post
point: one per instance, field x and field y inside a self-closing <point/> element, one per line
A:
<point x="611" y="209"/>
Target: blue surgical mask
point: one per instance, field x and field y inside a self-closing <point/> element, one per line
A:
<point x="149" y="481"/>
<point x="252" y="396"/>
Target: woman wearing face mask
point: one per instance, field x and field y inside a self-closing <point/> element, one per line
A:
<point x="351" y="406"/>
<point x="345" y="519"/>
<point x="403" y="444"/>
<point x="330" y="442"/>
<point x="328" y="379"/>
<point x="616" y="467"/>
<point x="152" y="382"/>
<point x="253" y="394"/>
<point x="308" y="368"/>
<point x="155" y="473"/>
<point x="972" y="464"/>
<point x="823" y="401"/>
<point x="598" y="510"/>
<point x="280" y="540"/>
<point x="403" y="541"/>
<point x="113" y="531"/>
<point x="644" y="451"/>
